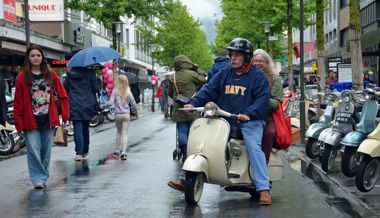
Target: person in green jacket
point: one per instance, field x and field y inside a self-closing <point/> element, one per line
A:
<point x="263" y="60"/>
<point x="184" y="81"/>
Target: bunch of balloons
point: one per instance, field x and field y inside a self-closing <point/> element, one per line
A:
<point x="154" y="79"/>
<point x="107" y="77"/>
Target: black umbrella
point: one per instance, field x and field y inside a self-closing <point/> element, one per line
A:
<point x="132" y="78"/>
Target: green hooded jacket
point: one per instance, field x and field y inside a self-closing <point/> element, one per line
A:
<point x="187" y="82"/>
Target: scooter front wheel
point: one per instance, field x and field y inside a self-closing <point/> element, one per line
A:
<point x="349" y="161"/>
<point x="328" y="157"/>
<point x="194" y="187"/>
<point x="312" y="148"/>
<point x="368" y="173"/>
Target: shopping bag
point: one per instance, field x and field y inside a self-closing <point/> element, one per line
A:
<point x="283" y="137"/>
<point x="60" y="138"/>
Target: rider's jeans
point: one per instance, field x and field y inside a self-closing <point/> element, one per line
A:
<point x="252" y="134"/>
<point x="38" y="144"/>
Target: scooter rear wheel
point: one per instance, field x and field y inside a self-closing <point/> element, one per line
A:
<point x="368" y="173"/>
<point x="194" y="187"/>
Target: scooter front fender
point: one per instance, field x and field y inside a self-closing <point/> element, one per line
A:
<point x="315" y="130"/>
<point x="353" y="139"/>
<point x="370" y="147"/>
<point x="330" y="136"/>
<point x="196" y="163"/>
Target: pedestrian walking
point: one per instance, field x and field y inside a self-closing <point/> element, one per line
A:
<point x="125" y="104"/>
<point x="242" y="89"/>
<point x="264" y="61"/>
<point x="82" y="88"/>
<point x="165" y="94"/>
<point x="36" y="112"/>
<point x="185" y="82"/>
<point x="160" y="97"/>
<point x="220" y="62"/>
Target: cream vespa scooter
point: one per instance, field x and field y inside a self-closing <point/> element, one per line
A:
<point x="368" y="171"/>
<point x="217" y="155"/>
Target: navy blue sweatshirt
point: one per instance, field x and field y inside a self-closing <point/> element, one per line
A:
<point x="247" y="93"/>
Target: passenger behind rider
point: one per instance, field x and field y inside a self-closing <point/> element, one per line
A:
<point x="241" y="89"/>
<point x="263" y="60"/>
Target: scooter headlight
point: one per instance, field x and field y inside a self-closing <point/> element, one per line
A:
<point x="210" y="109"/>
<point x="346" y="97"/>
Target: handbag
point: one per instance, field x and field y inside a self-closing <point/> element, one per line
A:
<point x="179" y="99"/>
<point x="60" y="138"/>
<point x="56" y="99"/>
<point x="283" y="137"/>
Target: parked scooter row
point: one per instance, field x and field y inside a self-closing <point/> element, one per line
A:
<point x="347" y="133"/>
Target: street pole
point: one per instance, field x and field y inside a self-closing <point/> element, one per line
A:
<point x="266" y="31"/>
<point x="153" y="82"/>
<point x="302" y="85"/>
<point x="27" y="29"/>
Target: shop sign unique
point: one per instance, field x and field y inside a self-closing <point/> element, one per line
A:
<point x="10" y="10"/>
<point x="46" y="10"/>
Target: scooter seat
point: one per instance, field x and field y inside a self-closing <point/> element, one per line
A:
<point x="236" y="133"/>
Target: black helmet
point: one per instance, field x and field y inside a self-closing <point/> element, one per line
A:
<point x="243" y="46"/>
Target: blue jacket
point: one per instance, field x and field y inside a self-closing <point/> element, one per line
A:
<point x="81" y="87"/>
<point x="245" y="94"/>
<point x="220" y="63"/>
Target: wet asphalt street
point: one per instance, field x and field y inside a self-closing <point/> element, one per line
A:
<point x="137" y="187"/>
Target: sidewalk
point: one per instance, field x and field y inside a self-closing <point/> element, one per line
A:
<point x="342" y="190"/>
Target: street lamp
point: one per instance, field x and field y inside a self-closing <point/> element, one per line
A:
<point x="118" y="28"/>
<point x="153" y="78"/>
<point x="267" y="31"/>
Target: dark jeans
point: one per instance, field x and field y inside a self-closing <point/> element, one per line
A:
<point x="268" y="138"/>
<point x="81" y="136"/>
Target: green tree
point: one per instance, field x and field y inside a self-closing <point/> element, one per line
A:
<point x="176" y="32"/>
<point x="355" y="44"/>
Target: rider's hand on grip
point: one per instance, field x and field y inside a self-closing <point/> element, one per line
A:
<point x="243" y="117"/>
<point x="188" y="108"/>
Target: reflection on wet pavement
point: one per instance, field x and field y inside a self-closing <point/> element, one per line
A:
<point x="326" y="186"/>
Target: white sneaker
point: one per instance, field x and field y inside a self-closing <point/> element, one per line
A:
<point x="78" y="157"/>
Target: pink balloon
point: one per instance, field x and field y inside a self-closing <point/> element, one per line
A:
<point x="109" y="86"/>
<point x="105" y="80"/>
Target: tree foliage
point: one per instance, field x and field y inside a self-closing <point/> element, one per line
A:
<point x="242" y="19"/>
<point x="176" y="32"/>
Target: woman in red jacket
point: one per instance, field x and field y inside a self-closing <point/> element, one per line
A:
<point x="36" y="112"/>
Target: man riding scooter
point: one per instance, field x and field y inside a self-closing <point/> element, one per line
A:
<point x="241" y="89"/>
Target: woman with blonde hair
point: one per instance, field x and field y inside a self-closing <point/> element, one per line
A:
<point x="264" y="61"/>
<point x="124" y="103"/>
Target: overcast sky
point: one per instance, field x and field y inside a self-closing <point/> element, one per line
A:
<point x="207" y="11"/>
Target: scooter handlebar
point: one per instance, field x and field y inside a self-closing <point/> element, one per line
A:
<point x="200" y="109"/>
